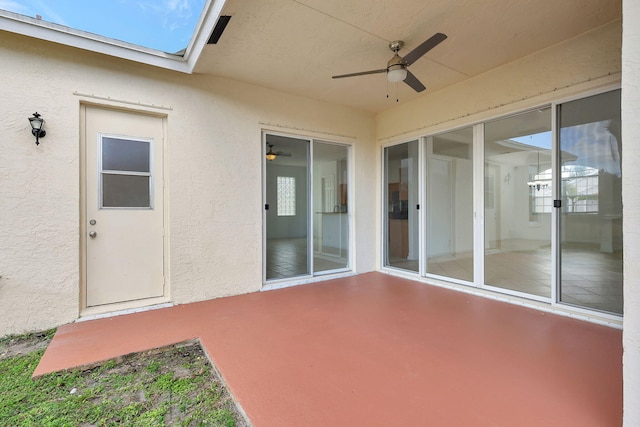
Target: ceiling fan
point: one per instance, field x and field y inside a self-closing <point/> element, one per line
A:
<point x="271" y="155"/>
<point x="397" y="66"/>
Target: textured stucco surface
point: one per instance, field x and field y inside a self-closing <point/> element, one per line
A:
<point x="212" y="174"/>
<point x="631" y="203"/>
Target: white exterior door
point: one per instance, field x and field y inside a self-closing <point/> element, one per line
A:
<point x="124" y="230"/>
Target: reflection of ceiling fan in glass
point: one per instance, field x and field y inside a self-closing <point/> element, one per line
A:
<point x="272" y="155"/>
<point x="397" y="66"/>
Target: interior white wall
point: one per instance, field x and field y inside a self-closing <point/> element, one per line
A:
<point x="282" y="227"/>
<point x="631" y="207"/>
<point x="463" y="206"/>
<point x="213" y="174"/>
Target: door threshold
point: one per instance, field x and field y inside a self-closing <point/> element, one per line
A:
<point x="120" y="309"/>
<point x="286" y="283"/>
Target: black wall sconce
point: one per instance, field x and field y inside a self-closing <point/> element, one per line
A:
<point x="37" y="127"/>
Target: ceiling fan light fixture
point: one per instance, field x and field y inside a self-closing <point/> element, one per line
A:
<point x="396" y="73"/>
<point x="270" y="154"/>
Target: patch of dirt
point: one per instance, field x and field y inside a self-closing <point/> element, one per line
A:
<point x="24" y="344"/>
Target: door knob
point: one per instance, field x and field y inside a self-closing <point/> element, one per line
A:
<point x="93" y="234"/>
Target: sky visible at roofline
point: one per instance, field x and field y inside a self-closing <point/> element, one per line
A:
<point x="164" y="25"/>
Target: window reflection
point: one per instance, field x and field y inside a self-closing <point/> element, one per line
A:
<point x="591" y="196"/>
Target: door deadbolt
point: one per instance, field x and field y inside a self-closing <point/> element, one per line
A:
<point x="93" y="234"/>
<point x="92" y="222"/>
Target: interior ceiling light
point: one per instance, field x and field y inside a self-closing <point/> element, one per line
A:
<point x="270" y="154"/>
<point x="537" y="184"/>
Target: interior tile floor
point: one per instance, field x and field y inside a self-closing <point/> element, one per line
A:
<point x="288" y="258"/>
<point x="378" y="350"/>
<point x="590" y="278"/>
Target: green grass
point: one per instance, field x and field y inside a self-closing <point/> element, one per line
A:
<point x="172" y="387"/>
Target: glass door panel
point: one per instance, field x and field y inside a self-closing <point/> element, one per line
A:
<point x="450" y="205"/>
<point x="331" y="207"/>
<point x="591" y="197"/>
<point x="401" y="200"/>
<point x="517" y="203"/>
<point x="287" y="208"/>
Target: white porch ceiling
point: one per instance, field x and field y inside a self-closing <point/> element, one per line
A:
<point x="297" y="45"/>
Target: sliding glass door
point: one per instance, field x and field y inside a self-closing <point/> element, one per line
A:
<point x="331" y="207"/>
<point x="287" y="208"/>
<point x="401" y="202"/>
<point x="449" y="205"/>
<point x="306" y="187"/>
<point x="590" y="148"/>
<point x="517" y="203"/>
<point x="528" y="204"/>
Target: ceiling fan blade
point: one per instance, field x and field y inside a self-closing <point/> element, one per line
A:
<point x="413" y="82"/>
<point x="425" y="47"/>
<point x="283" y="154"/>
<point x="362" y="73"/>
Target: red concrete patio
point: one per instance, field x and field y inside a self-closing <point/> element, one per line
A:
<point x="377" y="350"/>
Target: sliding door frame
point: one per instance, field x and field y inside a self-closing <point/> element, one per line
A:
<point x="312" y="276"/>
<point x="553" y="300"/>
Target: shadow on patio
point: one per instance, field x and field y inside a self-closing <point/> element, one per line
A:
<point x="376" y="350"/>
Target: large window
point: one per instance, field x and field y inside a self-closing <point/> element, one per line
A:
<point x="580" y="189"/>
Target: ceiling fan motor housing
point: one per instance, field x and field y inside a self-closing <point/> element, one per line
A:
<point x="396" y="45"/>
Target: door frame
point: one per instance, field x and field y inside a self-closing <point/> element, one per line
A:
<point x="312" y="276"/>
<point x="115" y="308"/>
<point x="551" y="303"/>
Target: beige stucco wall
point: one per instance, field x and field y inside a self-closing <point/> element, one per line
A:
<point x="631" y="203"/>
<point x="213" y="173"/>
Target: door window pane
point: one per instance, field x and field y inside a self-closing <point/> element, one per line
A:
<point x="591" y="196"/>
<point x="517" y="230"/>
<point x="331" y="207"/>
<point x="450" y="205"/>
<point x="125" y="155"/>
<point x="401" y="198"/>
<point x="125" y="178"/>
<point x="287" y="221"/>
<point x="125" y="191"/>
